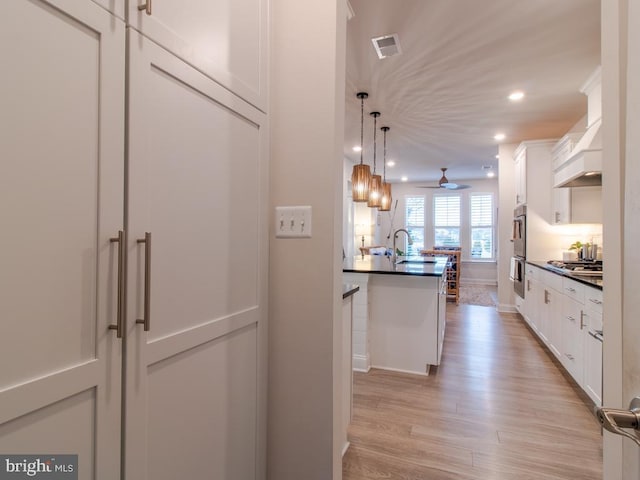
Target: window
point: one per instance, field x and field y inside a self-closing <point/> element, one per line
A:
<point x="481" y="218"/>
<point x="446" y="220"/>
<point x="414" y="223"/>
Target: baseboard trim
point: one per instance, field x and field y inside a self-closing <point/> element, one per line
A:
<point x="361" y="363"/>
<point x="399" y="370"/>
<point x="478" y="281"/>
<point x="345" y="447"/>
<point x="507" y="308"/>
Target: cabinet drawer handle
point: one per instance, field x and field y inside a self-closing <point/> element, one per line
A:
<point x="570" y="318"/>
<point x="569" y="356"/>
<point x="557" y="217"/>
<point x="546" y="296"/>
<point x="581" y="319"/>
<point x="119" y="326"/>
<point x="597" y="302"/>
<point x="146" y="7"/>
<point x="146" y="320"/>
<point x="570" y="289"/>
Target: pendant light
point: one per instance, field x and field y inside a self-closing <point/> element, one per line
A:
<point x="375" y="186"/>
<point x="385" y="198"/>
<point x="361" y="176"/>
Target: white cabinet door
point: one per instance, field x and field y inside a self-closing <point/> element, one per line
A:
<point x="560" y="206"/>
<point x="593" y="355"/>
<point x="197" y="183"/>
<point x="554" y="311"/>
<point x="117" y="7"/>
<point x="225" y="39"/>
<point x="572" y="340"/>
<point x="521" y="177"/>
<point x="61" y="200"/>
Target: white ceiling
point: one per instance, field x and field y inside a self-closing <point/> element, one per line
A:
<point x="445" y="96"/>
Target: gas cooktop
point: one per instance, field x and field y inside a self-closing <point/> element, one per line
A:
<point x="592" y="268"/>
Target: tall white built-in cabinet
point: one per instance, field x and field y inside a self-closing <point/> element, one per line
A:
<point x="133" y="254"/>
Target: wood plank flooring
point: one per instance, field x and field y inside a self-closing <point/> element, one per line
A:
<point x="497" y="408"/>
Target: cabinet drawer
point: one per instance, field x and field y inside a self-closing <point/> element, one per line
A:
<point x="552" y="280"/>
<point x="573" y="289"/>
<point x="593" y="299"/>
<point x="531" y="272"/>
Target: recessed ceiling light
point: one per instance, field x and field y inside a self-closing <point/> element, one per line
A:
<point x="391" y="163"/>
<point x="404" y="179"/>
<point x="499" y="136"/>
<point x="357" y="148"/>
<point x="491" y="174"/>
<point x="498" y="157"/>
<point x="516" y="96"/>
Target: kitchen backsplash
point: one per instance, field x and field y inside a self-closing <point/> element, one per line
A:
<point x="584" y="233"/>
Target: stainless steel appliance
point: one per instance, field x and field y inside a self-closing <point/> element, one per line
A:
<point x="584" y="268"/>
<point x="517" y="275"/>
<point x="519" y="239"/>
<point x="519" y="234"/>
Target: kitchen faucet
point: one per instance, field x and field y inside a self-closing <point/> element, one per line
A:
<point x="395" y="236"/>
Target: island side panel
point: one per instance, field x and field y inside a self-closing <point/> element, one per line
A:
<point x="404" y="322"/>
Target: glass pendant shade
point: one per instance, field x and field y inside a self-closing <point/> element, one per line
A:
<point x="360" y="180"/>
<point x="385" y="198"/>
<point x="375" y="191"/>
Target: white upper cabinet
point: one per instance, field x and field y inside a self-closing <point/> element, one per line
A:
<point x="224" y="39"/>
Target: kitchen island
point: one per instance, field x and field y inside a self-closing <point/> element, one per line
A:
<point x="399" y="320"/>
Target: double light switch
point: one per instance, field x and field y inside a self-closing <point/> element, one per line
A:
<point x="293" y="222"/>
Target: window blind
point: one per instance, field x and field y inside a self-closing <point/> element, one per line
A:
<point x="481" y="210"/>
<point x="446" y="210"/>
<point x="414" y="211"/>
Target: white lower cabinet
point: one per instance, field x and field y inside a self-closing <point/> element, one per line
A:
<point x="567" y="316"/>
<point x="572" y="341"/>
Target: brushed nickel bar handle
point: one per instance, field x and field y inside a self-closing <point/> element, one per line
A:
<point x="146" y="320"/>
<point x="146" y="7"/>
<point x="119" y="326"/>
<point x="581" y="320"/>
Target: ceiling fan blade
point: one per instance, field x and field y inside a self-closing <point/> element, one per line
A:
<point x="455" y="186"/>
<point x="429" y="186"/>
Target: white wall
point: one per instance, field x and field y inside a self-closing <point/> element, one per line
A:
<point x="306" y="108"/>
<point x="506" y="183"/>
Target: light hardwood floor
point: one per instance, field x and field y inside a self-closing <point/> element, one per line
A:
<point x="497" y="408"/>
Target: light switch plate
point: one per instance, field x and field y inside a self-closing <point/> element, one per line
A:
<point x="293" y="222"/>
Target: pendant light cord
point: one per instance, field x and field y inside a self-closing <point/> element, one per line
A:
<point x="361" y="127"/>
<point x="375" y="117"/>
<point x="384" y="154"/>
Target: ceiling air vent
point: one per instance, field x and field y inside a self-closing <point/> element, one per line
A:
<point x="387" y="45"/>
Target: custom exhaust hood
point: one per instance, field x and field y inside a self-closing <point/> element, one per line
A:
<point x="583" y="167"/>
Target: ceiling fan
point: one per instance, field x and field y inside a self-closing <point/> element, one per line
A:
<point x="445" y="183"/>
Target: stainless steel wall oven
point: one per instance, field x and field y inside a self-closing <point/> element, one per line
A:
<point x="519" y="238"/>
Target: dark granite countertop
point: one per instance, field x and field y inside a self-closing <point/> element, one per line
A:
<point x="591" y="281"/>
<point x="420" y="266"/>
<point x="349" y="289"/>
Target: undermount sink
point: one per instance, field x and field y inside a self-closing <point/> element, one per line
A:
<point x="417" y="260"/>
